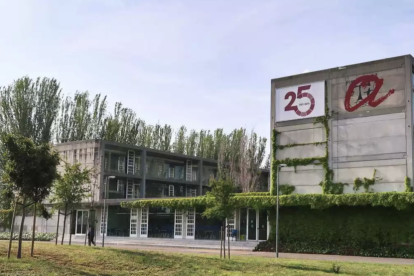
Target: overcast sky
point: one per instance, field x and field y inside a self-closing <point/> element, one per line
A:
<point x="200" y="63"/>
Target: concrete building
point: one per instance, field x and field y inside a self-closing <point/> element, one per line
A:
<point x="129" y="173"/>
<point x="370" y="124"/>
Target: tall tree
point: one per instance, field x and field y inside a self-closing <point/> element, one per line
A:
<point x="221" y="209"/>
<point x="30" y="108"/>
<point x="70" y="189"/>
<point x="29" y="171"/>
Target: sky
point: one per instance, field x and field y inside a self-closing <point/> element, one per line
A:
<point x="205" y="64"/>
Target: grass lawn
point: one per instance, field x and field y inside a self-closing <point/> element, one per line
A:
<point x="79" y="260"/>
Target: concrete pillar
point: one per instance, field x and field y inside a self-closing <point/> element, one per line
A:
<point x="143" y="173"/>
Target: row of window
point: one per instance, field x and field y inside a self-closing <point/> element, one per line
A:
<point x="81" y="155"/>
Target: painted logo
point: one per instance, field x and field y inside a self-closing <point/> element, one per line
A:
<point x="292" y="95"/>
<point x="369" y="85"/>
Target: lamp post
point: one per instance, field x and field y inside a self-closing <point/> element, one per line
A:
<point x="106" y="184"/>
<point x="277" y="208"/>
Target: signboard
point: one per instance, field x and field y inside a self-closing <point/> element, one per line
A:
<point x="300" y="102"/>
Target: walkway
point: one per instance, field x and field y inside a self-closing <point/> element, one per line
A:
<point x="237" y="249"/>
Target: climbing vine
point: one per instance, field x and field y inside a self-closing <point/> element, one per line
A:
<point x="398" y="200"/>
<point x="366" y="183"/>
<point x="408" y="187"/>
<point x="286" y="189"/>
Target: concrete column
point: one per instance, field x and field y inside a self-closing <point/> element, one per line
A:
<point x="409" y="114"/>
<point x="200" y="176"/>
<point x="143" y="173"/>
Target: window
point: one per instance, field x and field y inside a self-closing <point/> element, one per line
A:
<point x="95" y="154"/>
<point x="120" y="186"/>
<point x="171" y="190"/>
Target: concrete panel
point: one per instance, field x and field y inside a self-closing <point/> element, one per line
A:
<point x="392" y="79"/>
<point x="374" y="164"/>
<point x="369" y="119"/>
<point x="301" y="152"/>
<point x="367" y="113"/>
<point x="301" y="136"/>
<point x="381" y="188"/>
<point x="368" y="130"/>
<point x="389" y="174"/>
<point x="370" y="146"/>
<point x="302" y="177"/>
<point x="308" y="189"/>
<point x="295" y="127"/>
<point x="400" y="155"/>
<point x="395" y="100"/>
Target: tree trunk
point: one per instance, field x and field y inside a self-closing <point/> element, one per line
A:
<point x="64" y="223"/>
<point x="19" y="248"/>
<point x="11" y="228"/>
<point x="87" y="230"/>
<point x="70" y="228"/>
<point x="228" y="239"/>
<point x="57" y="228"/>
<point x="33" y="230"/>
<point x="224" y="240"/>
<point x="221" y="241"/>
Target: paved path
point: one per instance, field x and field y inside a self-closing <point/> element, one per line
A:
<point x="265" y="254"/>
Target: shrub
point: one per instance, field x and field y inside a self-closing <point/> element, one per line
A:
<point x="28" y="236"/>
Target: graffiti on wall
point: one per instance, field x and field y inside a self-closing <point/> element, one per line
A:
<point x="366" y="89"/>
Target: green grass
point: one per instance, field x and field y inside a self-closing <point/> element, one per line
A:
<point x="79" y="260"/>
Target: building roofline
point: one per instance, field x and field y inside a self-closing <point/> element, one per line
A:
<point x="339" y="68"/>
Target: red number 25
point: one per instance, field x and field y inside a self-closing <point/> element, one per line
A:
<point x="292" y="95"/>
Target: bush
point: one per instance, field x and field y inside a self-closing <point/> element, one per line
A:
<point x="358" y="231"/>
<point x="28" y="236"/>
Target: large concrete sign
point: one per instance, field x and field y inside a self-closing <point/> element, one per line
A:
<point x="369" y="127"/>
<point x="300" y="101"/>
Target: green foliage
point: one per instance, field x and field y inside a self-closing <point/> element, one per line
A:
<point x="30" y="108"/>
<point x="315" y="201"/>
<point x="365" y="182"/>
<point x="331" y="188"/>
<point x="220" y="194"/>
<point x="344" y="230"/>
<point x="286" y="189"/>
<point x="252" y="194"/>
<point x="29" y="170"/>
<point x="28" y="236"/>
<point x="71" y="187"/>
<point x="299" y="144"/>
<point x="408" y="187"/>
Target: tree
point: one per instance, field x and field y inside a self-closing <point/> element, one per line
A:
<point x="29" y="171"/>
<point x="70" y="189"/>
<point x="221" y="191"/>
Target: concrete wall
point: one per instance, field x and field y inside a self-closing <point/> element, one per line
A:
<point x="360" y="141"/>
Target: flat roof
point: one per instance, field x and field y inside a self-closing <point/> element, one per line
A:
<point x="340" y="68"/>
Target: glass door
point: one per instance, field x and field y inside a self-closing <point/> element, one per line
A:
<point x="81" y="221"/>
<point x="262" y="227"/>
<point x="251" y="218"/>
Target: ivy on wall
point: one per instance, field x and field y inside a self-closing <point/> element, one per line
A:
<point x="344" y="230"/>
<point x="397" y="200"/>
<point x="366" y="183"/>
<point x="328" y="186"/>
<point x="408" y="187"/>
<point x="286" y="189"/>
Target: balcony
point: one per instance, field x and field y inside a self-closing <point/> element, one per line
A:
<point x="163" y="190"/>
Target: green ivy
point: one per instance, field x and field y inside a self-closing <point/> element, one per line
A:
<point x="397" y="200"/>
<point x="273" y="167"/>
<point x="365" y="182"/>
<point x="300" y="144"/>
<point x="286" y="189"/>
<point x="344" y="230"/>
<point x="332" y="188"/>
<point x="408" y="187"/>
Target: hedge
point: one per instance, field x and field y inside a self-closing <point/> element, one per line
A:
<point x="344" y="230"/>
<point x="28" y="236"/>
<point x="397" y="200"/>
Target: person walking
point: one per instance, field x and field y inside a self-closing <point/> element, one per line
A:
<point x="91" y="236"/>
